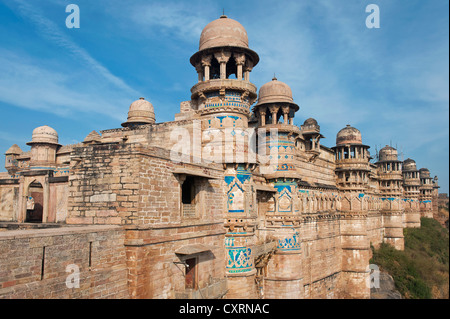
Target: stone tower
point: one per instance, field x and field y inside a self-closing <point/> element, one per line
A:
<point x="275" y="114"/>
<point x="352" y="172"/>
<point x="391" y="191"/>
<point x="426" y="193"/>
<point x="223" y="63"/>
<point x="411" y="193"/>
<point x="11" y="163"/>
<point x="222" y="99"/>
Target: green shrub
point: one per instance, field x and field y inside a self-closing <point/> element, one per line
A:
<point x="423" y="264"/>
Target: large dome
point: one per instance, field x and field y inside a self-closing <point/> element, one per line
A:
<point x="348" y="135"/>
<point x="223" y="32"/>
<point x="275" y="92"/>
<point x="140" y="112"/>
<point x="44" y="134"/>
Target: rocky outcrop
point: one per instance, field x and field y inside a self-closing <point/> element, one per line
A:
<point x="387" y="288"/>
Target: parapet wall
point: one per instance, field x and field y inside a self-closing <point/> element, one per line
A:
<point x="38" y="263"/>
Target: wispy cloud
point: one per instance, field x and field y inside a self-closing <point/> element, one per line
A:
<point x="50" y="31"/>
<point x="27" y="83"/>
<point x="182" y="20"/>
<point x="71" y="89"/>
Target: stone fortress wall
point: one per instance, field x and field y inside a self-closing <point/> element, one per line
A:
<point x="143" y="214"/>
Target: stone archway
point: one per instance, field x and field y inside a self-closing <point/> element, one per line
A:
<point x="35" y="203"/>
<point x="40" y="187"/>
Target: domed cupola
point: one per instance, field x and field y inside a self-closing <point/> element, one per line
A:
<point x="352" y="160"/>
<point x="44" y="144"/>
<point x="409" y="165"/>
<point x="44" y="135"/>
<point x="388" y="153"/>
<point x="411" y="180"/>
<point x="348" y="135"/>
<point x="223" y="32"/>
<point x="223" y="63"/>
<point x="275" y="102"/>
<point x="275" y="110"/>
<point x="140" y="112"/>
<point x="310" y="126"/>
<point x="276" y="92"/>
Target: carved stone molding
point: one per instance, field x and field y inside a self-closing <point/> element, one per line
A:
<point x="206" y="60"/>
<point x="222" y="56"/>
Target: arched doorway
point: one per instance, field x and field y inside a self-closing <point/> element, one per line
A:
<point x="35" y="203"/>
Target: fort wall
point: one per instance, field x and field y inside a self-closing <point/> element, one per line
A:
<point x="37" y="263"/>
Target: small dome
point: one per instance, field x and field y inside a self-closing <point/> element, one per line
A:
<point x="409" y="165"/>
<point x="388" y="153"/>
<point x="275" y="92"/>
<point x="310" y="121"/>
<point x="223" y="32"/>
<point x="140" y="112"/>
<point x="310" y="126"/>
<point x="348" y="135"/>
<point x="424" y="173"/>
<point x="14" y="150"/>
<point x="44" y="134"/>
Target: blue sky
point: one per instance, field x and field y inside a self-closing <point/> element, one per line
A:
<point x="391" y="83"/>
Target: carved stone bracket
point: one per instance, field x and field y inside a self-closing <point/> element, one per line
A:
<point x="206" y="60"/>
<point x="243" y="225"/>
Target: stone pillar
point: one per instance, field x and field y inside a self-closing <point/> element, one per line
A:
<point x="199" y="69"/>
<point x="274" y="110"/>
<point x="22" y="205"/>
<point x="247" y="69"/>
<point x="262" y="116"/>
<point x="206" y="63"/>
<point x="284" y="276"/>
<point x="393" y="229"/>
<point x="285" y="114"/>
<point x="46" y="195"/>
<point x="240" y="61"/>
<point x="240" y="266"/>
<point x="223" y="57"/>
<point x="284" y="279"/>
<point x="240" y="234"/>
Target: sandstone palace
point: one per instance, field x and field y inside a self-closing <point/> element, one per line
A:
<point x="229" y="200"/>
